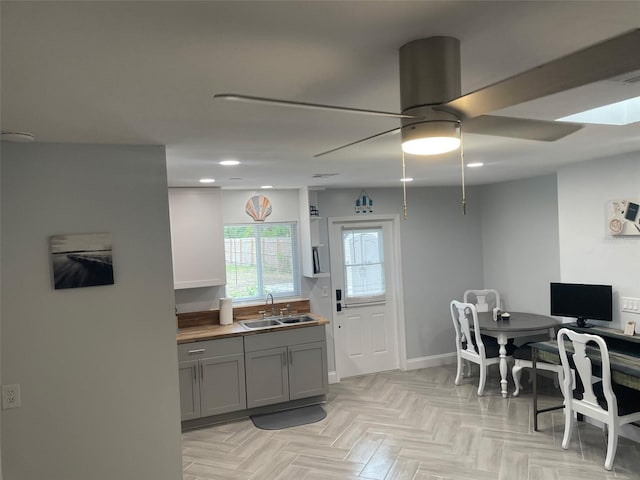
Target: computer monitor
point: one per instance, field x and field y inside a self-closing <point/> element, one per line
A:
<point x="582" y="301"/>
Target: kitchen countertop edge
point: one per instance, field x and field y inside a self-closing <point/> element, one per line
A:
<point x="213" y="332"/>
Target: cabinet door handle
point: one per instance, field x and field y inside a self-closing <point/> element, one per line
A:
<point x="195" y="374"/>
<point x="201" y="372"/>
<point x="200" y="350"/>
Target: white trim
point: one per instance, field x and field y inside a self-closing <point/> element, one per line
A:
<point x="333" y="378"/>
<point x="431" y="361"/>
<point x="394" y="219"/>
<point x="401" y="334"/>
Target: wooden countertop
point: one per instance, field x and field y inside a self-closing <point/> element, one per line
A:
<point x="215" y="331"/>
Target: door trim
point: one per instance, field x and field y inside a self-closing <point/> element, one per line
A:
<point x="401" y="346"/>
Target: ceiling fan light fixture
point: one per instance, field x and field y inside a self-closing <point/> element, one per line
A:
<point x="431" y="138"/>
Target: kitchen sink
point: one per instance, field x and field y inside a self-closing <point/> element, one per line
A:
<point x="275" y="322"/>
<point x="297" y="319"/>
<point x="264" y="323"/>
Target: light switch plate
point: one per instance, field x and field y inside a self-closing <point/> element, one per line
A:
<point x="630" y="305"/>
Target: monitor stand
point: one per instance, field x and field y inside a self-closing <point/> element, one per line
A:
<point x="582" y="323"/>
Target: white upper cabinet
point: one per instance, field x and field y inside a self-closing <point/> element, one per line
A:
<point x="197" y="237"/>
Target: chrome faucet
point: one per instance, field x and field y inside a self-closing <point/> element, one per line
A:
<point x="273" y="308"/>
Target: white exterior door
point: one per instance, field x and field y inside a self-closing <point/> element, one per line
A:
<point x="365" y="272"/>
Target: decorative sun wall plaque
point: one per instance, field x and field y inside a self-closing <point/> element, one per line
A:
<point x="624" y="217"/>
<point x="258" y="207"/>
<point x="83" y="260"/>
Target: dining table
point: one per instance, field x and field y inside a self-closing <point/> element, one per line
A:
<point x="519" y="324"/>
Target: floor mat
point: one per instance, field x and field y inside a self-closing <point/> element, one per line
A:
<point x="289" y="418"/>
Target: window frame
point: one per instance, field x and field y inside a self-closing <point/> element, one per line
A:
<point x="262" y="291"/>
<point x="355" y="300"/>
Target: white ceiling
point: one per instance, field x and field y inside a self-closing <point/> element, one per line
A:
<point x="146" y="72"/>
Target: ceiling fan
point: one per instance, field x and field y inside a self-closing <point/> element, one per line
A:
<point x="433" y="111"/>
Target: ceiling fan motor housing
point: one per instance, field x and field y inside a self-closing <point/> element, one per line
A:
<point x="429" y="76"/>
<point x="429" y="72"/>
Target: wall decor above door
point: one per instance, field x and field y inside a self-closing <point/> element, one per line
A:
<point x="364" y="203"/>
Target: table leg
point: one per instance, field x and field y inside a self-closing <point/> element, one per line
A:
<point x="502" y="341"/>
<point x="534" y="372"/>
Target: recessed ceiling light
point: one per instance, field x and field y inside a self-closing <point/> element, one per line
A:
<point x="229" y="162"/>
<point x="475" y="164"/>
<point x="408" y="179"/>
<point x="19" y="137"/>
<point x="207" y="180"/>
<point x="266" y="186"/>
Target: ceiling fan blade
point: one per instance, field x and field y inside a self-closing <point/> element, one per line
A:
<point x="310" y="106"/>
<point x="519" y="128"/>
<point x="395" y="130"/>
<point x="603" y="60"/>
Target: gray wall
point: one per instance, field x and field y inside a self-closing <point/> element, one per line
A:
<point x="520" y="241"/>
<point x="588" y="254"/>
<point x="97" y="366"/>
<point x="441" y="257"/>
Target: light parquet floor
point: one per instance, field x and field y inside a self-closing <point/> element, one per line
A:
<point x="413" y="425"/>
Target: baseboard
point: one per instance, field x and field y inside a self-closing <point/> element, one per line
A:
<point x="417" y="363"/>
<point x="240" y="414"/>
<point x="431" y="361"/>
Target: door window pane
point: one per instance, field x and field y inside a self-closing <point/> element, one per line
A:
<point x="363" y="265"/>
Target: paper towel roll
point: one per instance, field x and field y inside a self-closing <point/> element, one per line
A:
<point x="226" y="311"/>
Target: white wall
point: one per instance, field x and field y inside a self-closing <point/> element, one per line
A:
<point x="97" y="366"/>
<point x="441" y="257"/>
<point x="520" y="241"/>
<point x="284" y="205"/>
<point x="284" y="209"/>
<point x="588" y="254"/>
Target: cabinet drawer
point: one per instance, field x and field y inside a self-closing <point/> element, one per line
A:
<point x="263" y="341"/>
<point x="210" y="348"/>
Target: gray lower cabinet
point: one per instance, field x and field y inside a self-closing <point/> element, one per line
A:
<point x="267" y="377"/>
<point x="212" y="377"/>
<point x="285" y="365"/>
<point x="307" y="370"/>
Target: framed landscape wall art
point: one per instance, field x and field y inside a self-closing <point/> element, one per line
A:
<point x="624" y="217"/>
<point x="81" y="260"/>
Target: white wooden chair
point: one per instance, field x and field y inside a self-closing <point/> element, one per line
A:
<point x="612" y="405"/>
<point x="522" y="359"/>
<point x="484" y="300"/>
<point x="469" y="342"/>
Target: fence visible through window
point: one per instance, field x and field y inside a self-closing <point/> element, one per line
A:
<point x="261" y="259"/>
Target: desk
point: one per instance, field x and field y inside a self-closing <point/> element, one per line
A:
<point x="519" y="325"/>
<point x="624" y="357"/>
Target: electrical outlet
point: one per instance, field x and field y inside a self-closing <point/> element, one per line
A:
<point x="630" y="305"/>
<point x="10" y="396"/>
<point x="325" y="291"/>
